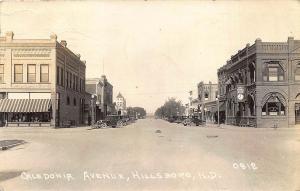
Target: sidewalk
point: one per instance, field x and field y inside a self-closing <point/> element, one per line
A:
<point x="232" y="127"/>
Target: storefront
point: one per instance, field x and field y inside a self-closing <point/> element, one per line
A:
<point x="25" y="112"/>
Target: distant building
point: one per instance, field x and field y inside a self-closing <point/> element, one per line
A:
<point x="121" y="104"/>
<point x="42" y="82"/>
<point x="207" y="96"/>
<point x="102" y="91"/>
<point x="260" y="85"/>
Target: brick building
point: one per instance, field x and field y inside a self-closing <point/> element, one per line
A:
<point x="260" y="85"/>
<point x="42" y="82"/>
<point x="102" y="90"/>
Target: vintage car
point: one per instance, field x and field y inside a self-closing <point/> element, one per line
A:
<point x="180" y="119"/>
<point x="110" y="121"/>
<point x="193" y="121"/>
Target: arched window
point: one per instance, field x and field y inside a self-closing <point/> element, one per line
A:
<point x="297" y="72"/>
<point x="252" y="73"/>
<point x="74" y="102"/>
<point x="68" y="100"/>
<point x="206" y="96"/>
<point x="273" y="72"/>
<point x="274" y="105"/>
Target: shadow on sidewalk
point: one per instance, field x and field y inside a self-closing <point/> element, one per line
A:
<point x="9" y="175"/>
<point x="7" y="144"/>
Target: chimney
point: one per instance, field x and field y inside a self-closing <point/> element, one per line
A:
<point x="9" y="36"/>
<point x="53" y="37"/>
<point x="78" y="55"/>
<point x="63" y="43"/>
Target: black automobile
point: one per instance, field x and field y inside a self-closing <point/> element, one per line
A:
<point x="172" y="119"/>
<point x="193" y="121"/>
<point x="113" y="121"/>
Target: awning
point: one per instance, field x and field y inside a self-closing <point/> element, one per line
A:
<point x="24" y="105"/>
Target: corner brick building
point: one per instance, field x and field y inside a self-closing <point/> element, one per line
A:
<point x="42" y="82"/>
<point x="260" y="85"/>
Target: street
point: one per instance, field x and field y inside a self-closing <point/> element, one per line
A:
<point x="151" y="154"/>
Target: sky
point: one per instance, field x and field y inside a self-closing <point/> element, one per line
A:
<point x="153" y="50"/>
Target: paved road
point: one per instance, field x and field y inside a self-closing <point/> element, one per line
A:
<point x="151" y="155"/>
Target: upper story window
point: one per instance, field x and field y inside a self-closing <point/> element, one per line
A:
<point x="62" y="77"/>
<point x="68" y="100"/>
<point x="205" y="96"/>
<point x="297" y="73"/>
<point x="273" y="72"/>
<point x="1" y="73"/>
<point x="57" y="75"/>
<point x="31" y="73"/>
<point x="18" y="73"/>
<point x="44" y="73"/>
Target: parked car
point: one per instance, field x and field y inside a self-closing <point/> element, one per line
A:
<point x="180" y="119"/>
<point x="193" y="121"/>
<point x="172" y="119"/>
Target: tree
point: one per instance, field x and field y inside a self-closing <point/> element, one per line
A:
<point x="170" y="108"/>
<point x="136" y="111"/>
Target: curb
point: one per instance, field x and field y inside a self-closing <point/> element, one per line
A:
<point x="10" y="146"/>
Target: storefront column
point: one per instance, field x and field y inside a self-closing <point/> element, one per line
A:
<point x="53" y="103"/>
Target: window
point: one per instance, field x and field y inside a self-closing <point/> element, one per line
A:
<point x="62" y="77"/>
<point x="68" y="100"/>
<point x="57" y="76"/>
<point x="18" y="75"/>
<point x="67" y="80"/>
<point x="273" y="107"/>
<point x="297" y="73"/>
<point x="273" y="72"/>
<point x="1" y="73"/>
<point x="74" y="101"/>
<point x="206" y="96"/>
<point x="31" y="73"/>
<point x="44" y="73"/>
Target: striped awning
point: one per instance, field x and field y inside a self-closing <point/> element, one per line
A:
<point x="24" y="105"/>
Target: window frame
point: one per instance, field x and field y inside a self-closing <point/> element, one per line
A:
<point x="28" y="73"/>
<point x="19" y="73"/>
<point x="2" y="74"/>
<point x="42" y="74"/>
<point x="273" y="65"/>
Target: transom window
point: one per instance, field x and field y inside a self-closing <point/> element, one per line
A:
<point x="273" y="72"/>
<point x="273" y="106"/>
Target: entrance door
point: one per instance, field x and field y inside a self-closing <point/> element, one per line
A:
<point x="297" y="113"/>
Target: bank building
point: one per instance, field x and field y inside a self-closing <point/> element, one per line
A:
<point x="260" y="85"/>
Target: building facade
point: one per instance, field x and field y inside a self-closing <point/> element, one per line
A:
<point x="208" y="96"/>
<point x="42" y="82"/>
<point x="260" y="85"/>
<point x="102" y="91"/>
<point x="121" y="105"/>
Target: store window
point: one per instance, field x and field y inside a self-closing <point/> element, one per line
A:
<point x="273" y="72"/>
<point x="31" y="73"/>
<point x="44" y="73"/>
<point x="1" y="73"/>
<point x="18" y="73"/>
<point x="273" y="106"/>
